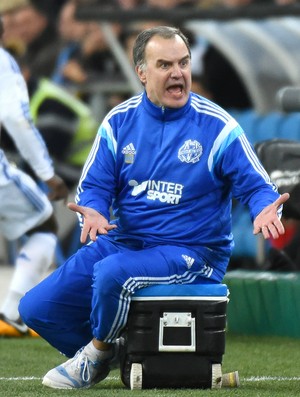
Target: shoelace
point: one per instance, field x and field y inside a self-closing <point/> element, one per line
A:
<point x="82" y="364"/>
<point x="85" y="375"/>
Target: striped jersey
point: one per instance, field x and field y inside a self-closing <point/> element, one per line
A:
<point x="170" y="175"/>
<point x="15" y="117"/>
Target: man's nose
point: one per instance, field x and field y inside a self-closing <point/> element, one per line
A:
<point x="176" y="71"/>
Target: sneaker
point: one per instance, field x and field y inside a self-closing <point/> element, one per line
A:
<point x="77" y="373"/>
<point x="14" y="329"/>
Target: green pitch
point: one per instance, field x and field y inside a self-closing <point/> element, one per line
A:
<point x="267" y="366"/>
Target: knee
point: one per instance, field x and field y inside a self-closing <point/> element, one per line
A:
<point x="108" y="279"/>
<point x="28" y="309"/>
<point x="24" y="309"/>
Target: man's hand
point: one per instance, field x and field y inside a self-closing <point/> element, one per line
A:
<point x="267" y="221"/>
<point x="57" y="189"/>
<point x="94" y="223"/>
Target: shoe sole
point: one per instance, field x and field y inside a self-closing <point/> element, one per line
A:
<point x="49" y="383"/>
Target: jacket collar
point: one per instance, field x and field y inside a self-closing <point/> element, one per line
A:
<point x="165" y="114"/>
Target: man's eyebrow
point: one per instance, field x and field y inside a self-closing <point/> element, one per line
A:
<point x="186" y="57"/>
<point x="162" y="61"/>
<point x="166" y="61"/>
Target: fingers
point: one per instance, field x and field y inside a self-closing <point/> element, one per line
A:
<point x="279" y="227"/>
<point x="93" y="224"/>
<point x="92" y="232"/>
<point x="76" y="208"/>
<point x="111" y="227"/>
<point x="88" y="232"/>
<point x="281" y="199"/>
<point x="265" y="232"/>
<point x="269" y="231"/>
<point x="103" y="229"/>
<point x="274" y="230"/>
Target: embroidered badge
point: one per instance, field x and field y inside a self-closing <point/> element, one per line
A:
<point x="190" y="151"/>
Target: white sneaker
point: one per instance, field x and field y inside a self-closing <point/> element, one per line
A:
<point x="78" y="372"/>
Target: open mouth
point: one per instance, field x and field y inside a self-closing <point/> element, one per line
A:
<point x="175" y="89"/>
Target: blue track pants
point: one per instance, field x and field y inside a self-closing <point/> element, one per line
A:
<point x="89" y="295"/>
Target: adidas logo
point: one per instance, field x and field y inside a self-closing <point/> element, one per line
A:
<point x="189" y="261"/>
<point x="129" y="153"/>
<point x="129" y="149"/>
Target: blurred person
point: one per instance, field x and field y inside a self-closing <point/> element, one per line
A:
<point x="71" y="33"/>
<point x="25" y="208"/>
<point x="169" y="162"/>
<point x="35" y="30"/>
<point x="84" y="52"/>
<point x="96" y="56"/>
<point x="50" y="8"/>
<point x="208" y="3"/>
<point x="130" y="4"/>
<point x="63" y="117"/>
<point x="85" y="57"/>
<point x="11" y="37"/>
<point x="60" y="116"/>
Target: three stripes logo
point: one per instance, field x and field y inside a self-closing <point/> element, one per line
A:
<point x="206" y="271"/>
<point x="188" y="260"/>
<point x="129" y="153"/>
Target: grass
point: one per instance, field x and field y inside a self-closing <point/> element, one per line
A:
<point x="268" y="367"/>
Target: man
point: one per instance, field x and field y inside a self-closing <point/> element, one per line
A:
<point x="25" y="209"/>
<point x="167" y="160"/>
<point x="31" y="28"/>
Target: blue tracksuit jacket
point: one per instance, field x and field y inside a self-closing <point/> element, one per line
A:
<point x="170" y="175"/>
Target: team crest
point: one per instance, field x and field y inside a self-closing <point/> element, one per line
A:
<point x="190" y="151"/>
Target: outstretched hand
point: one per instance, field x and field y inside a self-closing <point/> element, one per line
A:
<point x="94" y="223"/>
<point x="267" y="221"/>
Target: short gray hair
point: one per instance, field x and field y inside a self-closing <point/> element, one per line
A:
<point x="166" y="32"/>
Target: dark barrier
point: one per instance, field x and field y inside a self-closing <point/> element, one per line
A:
<point x="263" y="303"/>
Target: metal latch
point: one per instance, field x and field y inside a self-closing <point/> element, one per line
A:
<point x="177" y="332"/>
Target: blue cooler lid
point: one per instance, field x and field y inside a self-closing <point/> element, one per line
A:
<point x="169" y="291"/>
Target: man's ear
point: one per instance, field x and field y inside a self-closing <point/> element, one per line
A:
<point x="141" y="74"/>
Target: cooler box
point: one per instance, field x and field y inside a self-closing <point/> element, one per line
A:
<point x="175" y="337"/>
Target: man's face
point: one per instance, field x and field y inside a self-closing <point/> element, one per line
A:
<point x="167" y="73"/>
<point x="30" y="22"/>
